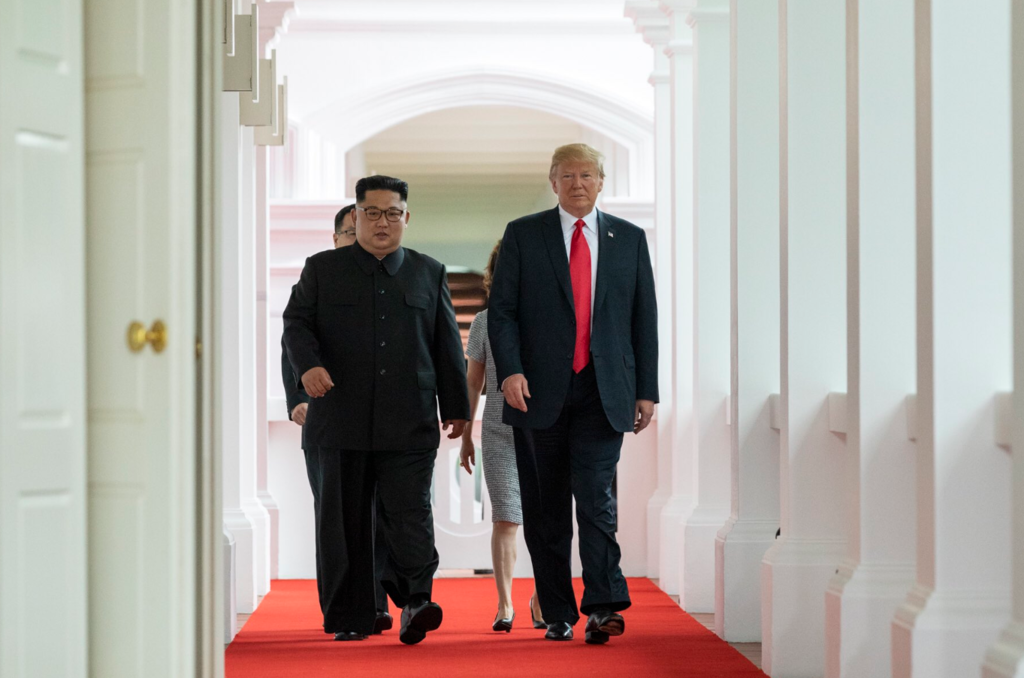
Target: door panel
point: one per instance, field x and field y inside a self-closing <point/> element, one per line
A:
<point x="42" y="331"/>
<point x="141" y="179"/>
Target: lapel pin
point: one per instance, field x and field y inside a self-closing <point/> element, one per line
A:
<point x="611" y="234"/>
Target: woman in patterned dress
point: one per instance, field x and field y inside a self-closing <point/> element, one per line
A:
<point x="499" y="464"/>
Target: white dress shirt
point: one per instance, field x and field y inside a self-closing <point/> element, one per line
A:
<point x="591" y="234"/>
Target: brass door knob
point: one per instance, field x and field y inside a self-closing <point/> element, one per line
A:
<point x="156" y="336"/>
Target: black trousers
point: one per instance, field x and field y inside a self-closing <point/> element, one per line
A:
<point x="351" y="481"/>
<point x="380" y="549"/>
<point x="575" y="457"/>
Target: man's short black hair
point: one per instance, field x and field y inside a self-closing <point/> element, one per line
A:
<point x="381" y="183"/>
<point x="339" y="218"/>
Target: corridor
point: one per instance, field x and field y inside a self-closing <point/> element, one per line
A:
<point x="832" y="196"/>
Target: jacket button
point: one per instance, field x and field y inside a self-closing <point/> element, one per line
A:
<point x="381" y="291"/>
<point x="383" y="343"/>
<point x="382" y="316"/>
<point x="383" y="371"/>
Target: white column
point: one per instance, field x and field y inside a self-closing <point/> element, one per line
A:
<point x="961" y="600"/>
<point x="1005" y="658"/>
<point x="230" y="365"/>
<point x="679" y="508"/>
<point x="750" y="530"/>
<point x="653" y="25"/>
<point x="797" y="569"/>
<point x="247" y="393"/>
<point x="879" y="475"/>
<point x="711" y="357"/>
<point x="273" y="17"/>
<point x="265" y="358"/>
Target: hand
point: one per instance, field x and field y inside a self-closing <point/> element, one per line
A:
<point x="458" y="427"/>
<point x="317" y="382"/>
<point x="299" y="414"/>
<point x="516" y="391"/>
<point x="468" y="455"/>
<point x="642" y="415"/>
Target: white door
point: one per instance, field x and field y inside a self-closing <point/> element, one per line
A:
<point x="141" y="196"/>
<point x="42" y="342"/>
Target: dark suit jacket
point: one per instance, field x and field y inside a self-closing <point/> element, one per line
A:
<point x="532" y="322"/>
<point x="294" y="394"/>
<point x="386" y="333"/>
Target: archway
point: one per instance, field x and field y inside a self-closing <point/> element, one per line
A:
<point x="352" y="120"/>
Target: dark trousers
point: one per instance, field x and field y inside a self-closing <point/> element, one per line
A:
<point x="380" y="548"/>
<point x="575" y="457"/>
<point x="362" y="492"/>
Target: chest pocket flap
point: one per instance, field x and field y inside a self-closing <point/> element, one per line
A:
<point x="417" y="300"/>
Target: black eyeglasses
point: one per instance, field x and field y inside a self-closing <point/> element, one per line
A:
<point x="373" y="214"/>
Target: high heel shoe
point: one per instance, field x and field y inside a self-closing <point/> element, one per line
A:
<point x="503" y="624"/>
<point x="537" y="623"/>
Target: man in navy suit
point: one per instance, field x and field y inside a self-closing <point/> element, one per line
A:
<point x="573" y="327"/>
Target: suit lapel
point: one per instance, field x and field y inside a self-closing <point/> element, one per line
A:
<point x="605" y="253"/>
<point x="556" y="250"/>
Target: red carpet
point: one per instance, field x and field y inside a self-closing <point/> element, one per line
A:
<point x="283" y="639"/>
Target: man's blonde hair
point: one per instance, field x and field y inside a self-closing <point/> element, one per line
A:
<point x="576" y="153"/>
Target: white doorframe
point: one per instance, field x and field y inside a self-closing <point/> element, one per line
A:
<point x="209" y="631"/>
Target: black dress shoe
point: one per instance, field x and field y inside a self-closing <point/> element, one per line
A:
<point x="559" y="631"/>
<point x="349" y="635"/>
<point x="603" y="624"/>
<point x="417" y="619"/>
<point x="382" y="623"/>
<point x="504" y="624"/>
<point x="537" y="623"/>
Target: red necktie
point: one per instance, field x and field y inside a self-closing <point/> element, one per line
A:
<point x="579" y="273"/>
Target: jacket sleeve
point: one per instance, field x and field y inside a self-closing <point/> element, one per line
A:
<point x="503" y="310"/>
<point x="645" y="326"/>
<point x="300" y="336"/>
<point x="449" y="360"/>
<point x="294" y="394"/>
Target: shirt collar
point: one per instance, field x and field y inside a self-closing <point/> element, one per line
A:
<point x="569" y="221"/>
<point x="368" y="262"/>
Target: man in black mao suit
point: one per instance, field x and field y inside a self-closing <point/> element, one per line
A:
<point x="573" y="326"/>
<point x="372" y="331"/>
<point x="298" y="402"/>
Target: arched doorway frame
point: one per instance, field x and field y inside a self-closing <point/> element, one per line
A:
<point x="351" y="120"/>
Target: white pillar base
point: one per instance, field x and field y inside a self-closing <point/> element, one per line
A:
<point x="655" y="506"/>
<point x="274" y="515"/>
<point x="672" y="544"/>
<point x="697" y="588"/>
<point x="238" y="526"/>
<point x="1005" y="659"/>
<point x="739" y="548"/>
<point x="260" y="521"/>
<point x="937" y="635"/>
<point x="859" y="606"/>
<point x="794" y="576"/>
<point x="230" y="607"/>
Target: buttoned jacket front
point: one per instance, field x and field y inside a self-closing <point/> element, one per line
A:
<point x="386" y="333"/>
